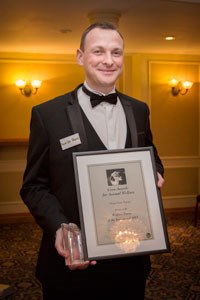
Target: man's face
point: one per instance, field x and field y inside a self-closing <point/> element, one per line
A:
<point x="102" y="58"/>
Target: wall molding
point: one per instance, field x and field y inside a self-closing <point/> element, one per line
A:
<point x="69" y="59"/>
<point x="13" y="207"/>
<point x="175" y="162"/>
<point x="180" y="201"/>
<point x="13" y="142"/>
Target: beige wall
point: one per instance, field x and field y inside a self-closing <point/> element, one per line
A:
<point x="59" y="74"/>
<point x="175" y="120"/>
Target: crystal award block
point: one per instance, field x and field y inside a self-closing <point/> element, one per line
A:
<point x="73" y="243"/>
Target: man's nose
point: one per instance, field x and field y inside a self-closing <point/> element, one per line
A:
<point x="108" y="58"/>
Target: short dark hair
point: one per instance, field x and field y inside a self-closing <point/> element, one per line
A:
<point x="101" y="25"/>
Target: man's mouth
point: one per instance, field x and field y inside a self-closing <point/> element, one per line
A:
<point x="107" y="71"/>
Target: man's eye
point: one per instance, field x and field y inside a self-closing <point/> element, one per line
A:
<point x="97" y="52"/>
<point x="117" y="53"/>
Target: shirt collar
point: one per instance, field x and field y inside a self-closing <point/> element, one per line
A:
<point x="97" y="92"/>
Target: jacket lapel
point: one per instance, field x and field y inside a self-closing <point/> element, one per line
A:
<point x="75" y="117"/>
<point x="130" y="120"/>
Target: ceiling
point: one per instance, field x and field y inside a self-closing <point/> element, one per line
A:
<point x="47" y="26"/>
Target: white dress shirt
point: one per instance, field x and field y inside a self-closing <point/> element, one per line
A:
<point x="108" y="120"/>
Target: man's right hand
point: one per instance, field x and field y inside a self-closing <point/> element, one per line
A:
<point x="65" y="253"/>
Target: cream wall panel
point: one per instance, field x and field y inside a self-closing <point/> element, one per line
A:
<point x="10" y="183"/>
<point x="175" y="120"/>
<point x="175" y="125"/>
<point x="182" y="181"/>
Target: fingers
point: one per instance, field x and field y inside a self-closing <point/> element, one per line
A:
<point x="59" y="244"/>
<point x="82" y="266"/>
<point x="93" y="262"/>
<point x="160" y="181"/>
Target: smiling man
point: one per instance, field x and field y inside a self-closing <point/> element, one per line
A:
<point x="101" y="54"/>
<point x="94" y="116"/>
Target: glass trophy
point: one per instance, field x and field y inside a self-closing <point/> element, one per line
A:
<point x="73" y="243"/>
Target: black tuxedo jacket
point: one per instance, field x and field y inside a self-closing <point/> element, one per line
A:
<point x="49" y="185"/>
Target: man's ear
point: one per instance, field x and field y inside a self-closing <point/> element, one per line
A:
<point x="79" y="57"/>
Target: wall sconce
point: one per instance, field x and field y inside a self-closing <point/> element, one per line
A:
<point x="179" y="87"/>
<point x="28" y="88"/>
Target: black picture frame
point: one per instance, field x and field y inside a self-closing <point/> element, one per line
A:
<point x="120" y="205"/>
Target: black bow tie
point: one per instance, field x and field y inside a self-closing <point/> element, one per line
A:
<point x="96" y="99"/>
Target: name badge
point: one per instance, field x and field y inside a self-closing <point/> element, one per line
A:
<point x="70" y="141"/>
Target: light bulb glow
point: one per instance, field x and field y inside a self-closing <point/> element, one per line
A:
<point x="187" y="84"/>
<point x="36" y="83"/>
<point x="169" y="38"/>
<point x="20" y="83"/>
<point x="173" y="82"/>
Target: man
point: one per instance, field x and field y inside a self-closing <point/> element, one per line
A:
<point x="49" y="184"/>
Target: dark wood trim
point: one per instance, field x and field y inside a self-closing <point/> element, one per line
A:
<point x="16" y="218"/>
<point x="13" y="142"/>
<point x="179" y="210"/>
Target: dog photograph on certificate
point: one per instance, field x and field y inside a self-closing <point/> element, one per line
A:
<point x="119" y="203"/>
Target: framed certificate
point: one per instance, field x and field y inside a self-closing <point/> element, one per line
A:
<point x="120" y="206"/>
